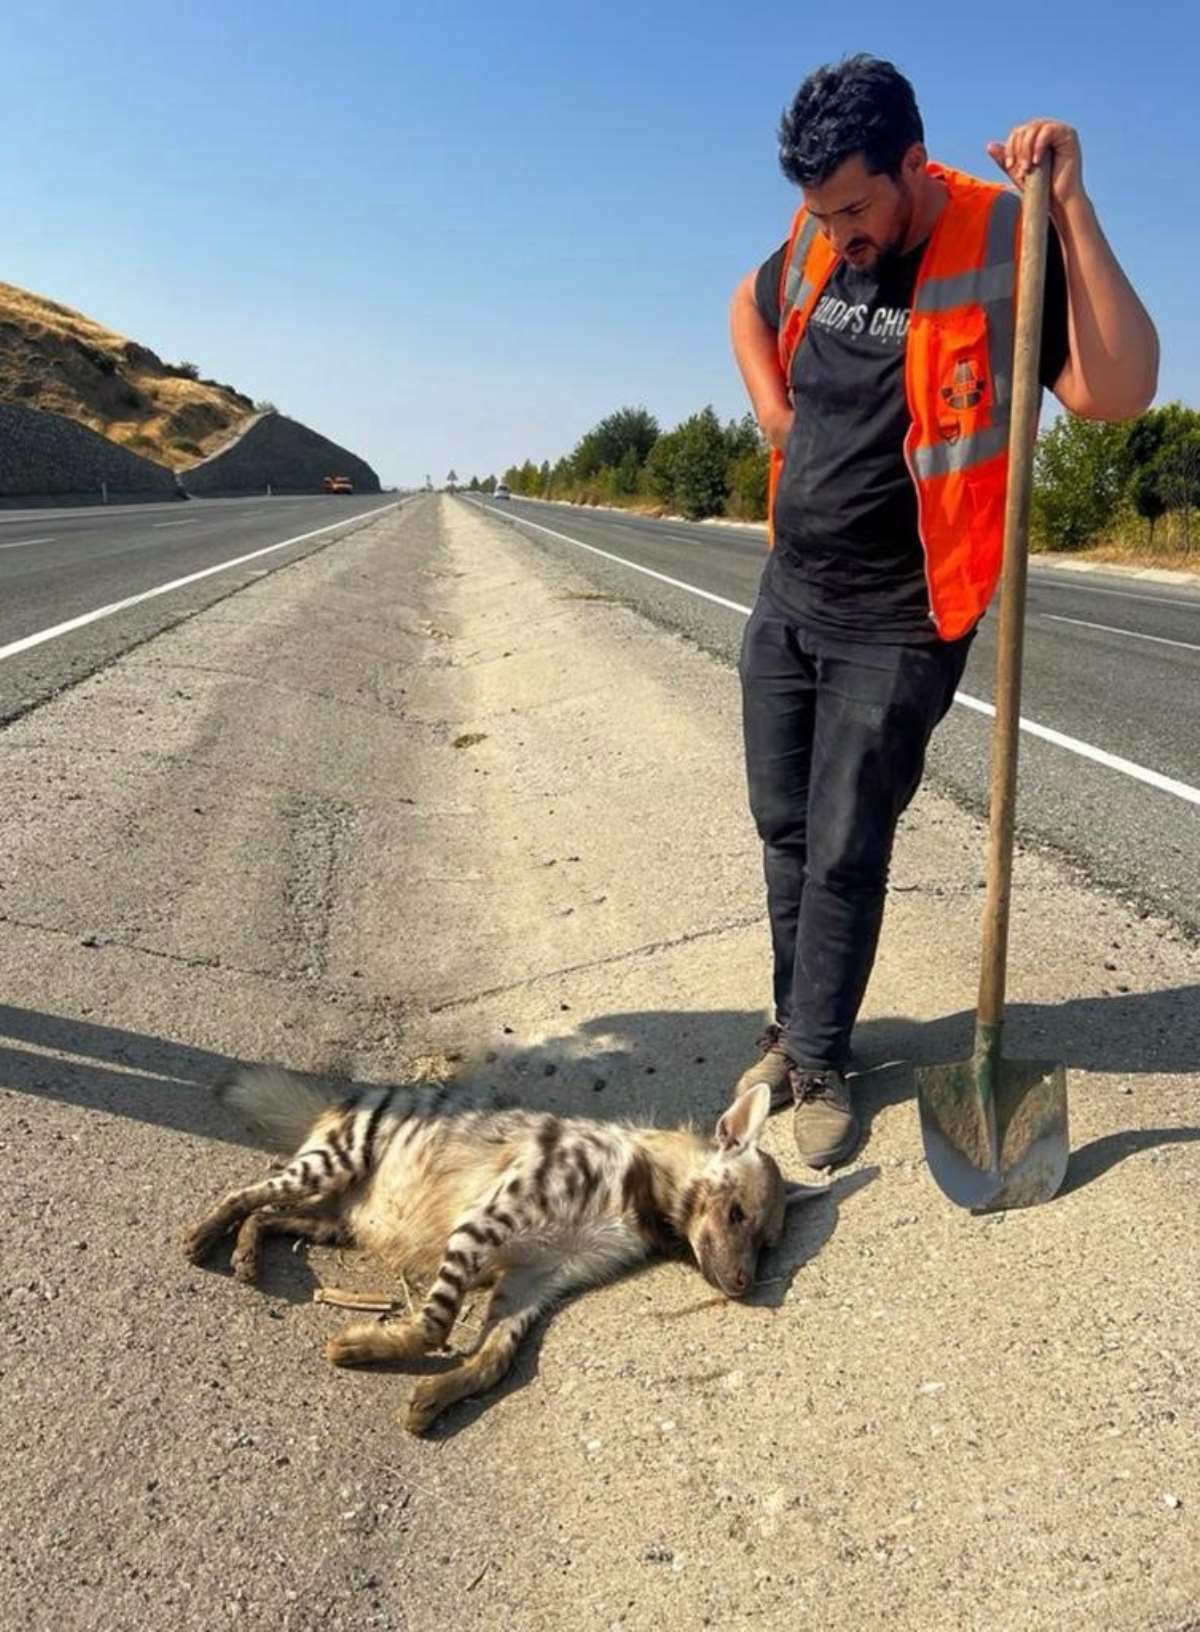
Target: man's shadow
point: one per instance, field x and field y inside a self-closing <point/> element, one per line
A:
<point x="664" y="1066"/>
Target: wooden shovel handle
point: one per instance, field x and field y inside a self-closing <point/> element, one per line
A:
<point x="1022" y="434"/>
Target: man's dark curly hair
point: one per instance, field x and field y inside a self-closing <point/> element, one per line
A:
<point x="861" y="105"/>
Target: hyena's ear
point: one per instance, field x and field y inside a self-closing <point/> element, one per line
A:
<point x="742" y="1123"/>
<point x="794" y="1194"/>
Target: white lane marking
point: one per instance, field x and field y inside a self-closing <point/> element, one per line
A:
<point x="1101" y="756"/>
<point x="43" y="635"/>
<point x="1046" y="579"/>
<point x="675" y="583"/>
<point x="1114" y="762"/>
<point x="1132" y="634"/>
<point x="21" y="543"/>
<point x="107" y="512"/>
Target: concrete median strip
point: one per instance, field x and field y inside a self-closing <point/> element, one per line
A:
<point x="254" y="838"/>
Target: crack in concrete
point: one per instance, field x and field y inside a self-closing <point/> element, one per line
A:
<point x="385" y="708"/>
<point x="648" y="949"/>
<point x="103" y="942"/>
<point x="375" y="1005"/>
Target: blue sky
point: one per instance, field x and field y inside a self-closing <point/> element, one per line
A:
<point x="459" y="234"/>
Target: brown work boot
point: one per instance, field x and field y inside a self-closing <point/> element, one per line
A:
<point x="772" y="1068"/>
<point x="826" y="1129"/>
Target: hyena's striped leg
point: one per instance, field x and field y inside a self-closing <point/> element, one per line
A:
<point x="520" y="1297"/>
<point x="315" y="1174"/>
<point x="470" y="1250"/>
<point x="472" y="1245"/>
<point x="247" y="1251"/>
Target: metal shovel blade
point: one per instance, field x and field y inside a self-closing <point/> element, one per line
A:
<point x="995" y="1130"/>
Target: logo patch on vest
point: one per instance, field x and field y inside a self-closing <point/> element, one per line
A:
<point x="965" y="387"/>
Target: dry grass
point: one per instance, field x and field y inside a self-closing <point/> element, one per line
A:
<point x="1125" y="555"/>
<point x="33" y="309"/>
<point x="60" y="361"/>
<point x="1128" y="545"/>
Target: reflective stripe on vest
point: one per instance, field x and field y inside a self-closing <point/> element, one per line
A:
<point x="958" y="379"/>
<point x="993" y="287"/>
<point x="795" y="290"/>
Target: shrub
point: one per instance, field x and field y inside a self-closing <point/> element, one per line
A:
<point x="1080" y="471"/>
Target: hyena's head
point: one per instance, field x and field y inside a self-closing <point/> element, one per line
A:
<point x="736" y="1206"/>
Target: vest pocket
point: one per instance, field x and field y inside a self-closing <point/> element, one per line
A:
<point x="962" y="374"/>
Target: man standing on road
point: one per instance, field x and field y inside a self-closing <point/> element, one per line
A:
<point x="876" y="346"/>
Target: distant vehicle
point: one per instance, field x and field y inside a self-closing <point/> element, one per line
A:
<point x="337" y="484"/>
<point x="501" y="492"/>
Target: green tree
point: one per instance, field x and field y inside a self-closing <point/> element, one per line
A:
<point x="660" y="467"/>
<point x="587" y="458"/>
<point x="1162" y="449"/>
<point x="700" y="466"/>
<point x="452" y="481"/>
<point x="630" y="431"/>
<point x="748" y="485"/>
<point x="1179" y="478"/>
<point x="1145" y="494"/>
<point x="1080" y="470"/>
<point x="742" y="436"/>
<point x="623" y="476"/>
<point x="607" y="445"/>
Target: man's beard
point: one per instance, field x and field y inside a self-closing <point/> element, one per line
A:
<point x="894" y="246"/>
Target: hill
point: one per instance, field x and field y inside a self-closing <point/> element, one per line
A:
<point x="57" y="360"/>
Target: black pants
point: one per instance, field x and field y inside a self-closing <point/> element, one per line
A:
<point x="835" y="734"/>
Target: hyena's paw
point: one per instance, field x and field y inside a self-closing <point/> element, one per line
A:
<point x="199" y="1241"/>
<point x="246" y="1256"/>
<point x="366" y="1342"/>
<point x="428" y="1399"/>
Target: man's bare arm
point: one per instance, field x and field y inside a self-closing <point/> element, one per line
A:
<point x="1112" y="372"/>
<point x="757" y="353"/>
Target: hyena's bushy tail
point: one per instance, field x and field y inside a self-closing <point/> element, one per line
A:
<point x="277" y="1105"/>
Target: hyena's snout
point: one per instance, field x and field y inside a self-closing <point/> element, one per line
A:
<point x="731" y="1272"/>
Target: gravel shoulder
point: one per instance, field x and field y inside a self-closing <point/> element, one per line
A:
<point x="427" y="792"/>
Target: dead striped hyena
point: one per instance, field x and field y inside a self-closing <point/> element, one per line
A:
<point x="442" y="1188"/>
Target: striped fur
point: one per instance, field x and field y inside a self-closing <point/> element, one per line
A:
<point x="459" y="1195"/>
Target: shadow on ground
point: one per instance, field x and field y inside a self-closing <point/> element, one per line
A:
<point x="656" y="1066"/>
<point x="662" y="1067"/>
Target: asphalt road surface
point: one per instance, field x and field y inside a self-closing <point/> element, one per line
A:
<point x="1112" y="668"/>
<point x="79" y="586"/>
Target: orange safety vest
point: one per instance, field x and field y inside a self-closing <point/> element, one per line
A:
<point x="958" y="379"/>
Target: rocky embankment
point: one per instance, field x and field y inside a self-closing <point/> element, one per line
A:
<point x="281" y="453"/>
<point x="44" y="455"/>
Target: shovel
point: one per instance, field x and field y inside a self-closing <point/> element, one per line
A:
<point x="995" y="1129"/>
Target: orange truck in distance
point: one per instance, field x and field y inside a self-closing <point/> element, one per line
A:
<point x="337" y="484"/>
